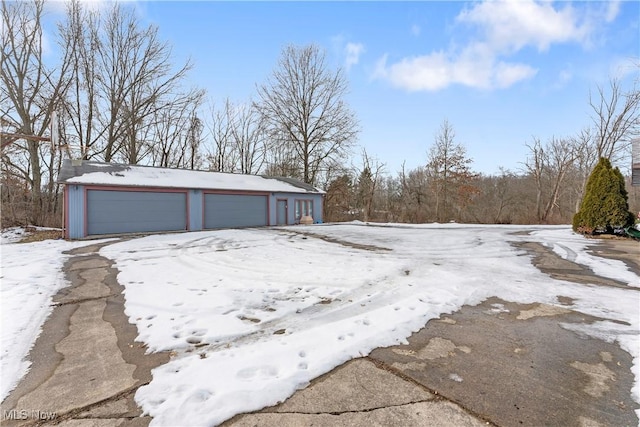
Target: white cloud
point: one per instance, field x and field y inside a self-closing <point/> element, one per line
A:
<point x="505" y="75"/>
<point x="353" y="52"/>
<point x="564" y="77"/>
<point x="380" y="71"/>
<point x="60" y="6"/>
<point x="510" y="25"/>
<point x="613" y="8"/>
<point x="416" y="30"/>
<point x="439" y="70"/>
<point x="430" y="72"/>
<point x="134" y="6"/>
<point x="504" y="28"/>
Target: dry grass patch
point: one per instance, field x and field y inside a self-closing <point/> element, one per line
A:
<point x="35" y="235"/>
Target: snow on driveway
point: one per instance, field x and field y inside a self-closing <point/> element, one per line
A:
<point x="30" y="276"/>
<point x="253" y="315"/>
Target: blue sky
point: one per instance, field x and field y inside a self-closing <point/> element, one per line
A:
<point x="500" y="72"/>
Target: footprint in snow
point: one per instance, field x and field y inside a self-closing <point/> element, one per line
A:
<point x="265" y="371"/>
<point x="249" y="319"/>
<point x="200" y="395"/>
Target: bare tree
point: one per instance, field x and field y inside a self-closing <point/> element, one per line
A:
<point x="414" y="195"/>
<point x="123" y="76"/>
<point x="449" y="172"/>
<point x="31" y="92"/>
<point x="535" y="166"/>
<point x="249" y="137"/>
<point x="194" y="140"/>
<point x="177" y="134"/>
<point x="81" y="106"/>
<point x="560" y="157"/>
<point x="496" y="199"/>
<point x="303" y="101"/>
<point x="368" y="183"/>
<point x="239" y="138"/>
<point x="222" y="156"/>
<point x="584" y="162"/>
<point x="616" y="117"/>
<point x="281" y="159"/>
<point x="549" y="165"/>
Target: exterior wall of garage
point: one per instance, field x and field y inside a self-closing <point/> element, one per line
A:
<point x="291" y="199"/>
<point x="195" y="210"/>
<point x="76" y="210"/>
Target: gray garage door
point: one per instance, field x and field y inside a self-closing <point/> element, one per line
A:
<point x="135" y="211"/>
<point x="230" y="210"/>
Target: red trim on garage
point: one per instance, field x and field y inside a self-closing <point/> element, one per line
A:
<point x="238" y="192"/>
<point x="65" y="208"/>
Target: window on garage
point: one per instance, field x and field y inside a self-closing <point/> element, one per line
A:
<point x="304" y="207"/>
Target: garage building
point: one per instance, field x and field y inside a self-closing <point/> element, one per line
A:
<point x="106" y="198"/>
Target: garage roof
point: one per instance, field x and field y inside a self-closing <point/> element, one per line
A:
<point x="97" y="173"/>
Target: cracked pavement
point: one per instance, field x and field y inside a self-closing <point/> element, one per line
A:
<point x="360" y="393"/>
<point x="87" y="365"/>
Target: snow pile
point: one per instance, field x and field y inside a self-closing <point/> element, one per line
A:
<point x="256" y="314"/>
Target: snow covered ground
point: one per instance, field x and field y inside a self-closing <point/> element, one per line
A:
<point x="252" y="315"/>
<point x="30" y="275"/>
